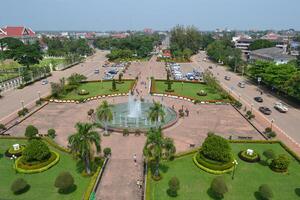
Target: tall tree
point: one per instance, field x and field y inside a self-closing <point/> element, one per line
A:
<point x="104" y="113"/>
<point x="156" y="113"/>
<point x="28" y="55"/>
<point x="82" y="142"/>
<point x="157" y="147"/>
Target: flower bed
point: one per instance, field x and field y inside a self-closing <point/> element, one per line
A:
<point x="10" y="152"/>
<point x="248" y="158"/>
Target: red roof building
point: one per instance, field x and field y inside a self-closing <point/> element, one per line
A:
<point x="23" y="33"/>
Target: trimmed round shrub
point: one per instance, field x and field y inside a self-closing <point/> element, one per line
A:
<point x="64" y="181"/>
<point x="269" y="154"/>
<point x="51" y="133"/>
<point x="216" y="148"/>
<point x="107" y="151"/>
<point x="280" y="164"/>
<point x="174" y="186"/>
<point x="19" y="186"/>
<point x="202" y="93"/>
<point x="219" y="187"/>
<point x="212" y="164"/>
<point x="265" y="192"/>
<point x="36" y="150"/>
<point x="82" y="92"/>
<point x="249" y="158"/>
<point x="31" y="131"/>
<point x="2" y="127"/>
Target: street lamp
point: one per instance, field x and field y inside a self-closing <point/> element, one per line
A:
<point x="272" y="121"/>
<point x="13" y="158"/>
<point x="22" y="103"/>
<point x="39" y="94"/>
<point x="252" y="106"/>
<point x="239" y="97"/>
<point x="235" y="163"/>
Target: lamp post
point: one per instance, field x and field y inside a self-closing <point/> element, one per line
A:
<point x="239" y="97"/>
<point x="22" y="103"/>
<point x="39" y="94"/>
<point x="13" y="158"/>
<point x="252" y="106"/>
<point x="272" y="121"/>
<point x="235" y="163"/>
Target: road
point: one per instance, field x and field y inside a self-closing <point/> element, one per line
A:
<point x="287" y="122"/>
<point x="11" y="102"/>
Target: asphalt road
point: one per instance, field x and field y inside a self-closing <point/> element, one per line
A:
<point x="11" y="102"/>
<point x="288" y="122"/>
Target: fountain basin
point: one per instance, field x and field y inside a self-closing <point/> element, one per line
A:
<point x="124" y="119"/>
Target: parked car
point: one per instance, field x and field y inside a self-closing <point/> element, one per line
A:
<point x="96" y="71"/>
<point x="44" y="82"/>
<point x="241" y="84"/>
<point x="210" y="67"/>
<point x="227" y="78"/>
<point x="281" y="107"/>
<point x="265" y="110"/>
<point x="258" y="99"/>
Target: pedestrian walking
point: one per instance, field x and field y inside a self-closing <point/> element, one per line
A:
<point x="134" y="158"/>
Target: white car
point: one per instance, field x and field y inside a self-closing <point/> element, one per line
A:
<point x="241" y="84"/>
<point x="281" y="107"/>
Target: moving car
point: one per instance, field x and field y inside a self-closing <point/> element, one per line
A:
<point x="227" y="78"/>
<point x="241" y="84"/>
<point x="265" y="110"/>
<point x="281" y="107"/>
<point x="258" y="99"/>
<point x="96" y="71"/>
<point x="44" y="82"/>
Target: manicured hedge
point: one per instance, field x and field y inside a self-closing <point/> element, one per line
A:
<point x="211" y="171"/>
<point x="55" y="145"/>
<point x="10" y="152"/>
<point x="26" y="169"/>
<point x="213" y="165"/>
<point x="251" y="159"/>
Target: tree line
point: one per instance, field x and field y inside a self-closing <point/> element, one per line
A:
<point x="134" y="46"/>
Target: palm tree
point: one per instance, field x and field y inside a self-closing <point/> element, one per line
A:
<point x="156" y="113"/>
<point x="104" y="113"/>
<point x="81" y="142"/>
<point x="158" y="147"/>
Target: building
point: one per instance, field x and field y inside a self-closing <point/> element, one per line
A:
<point x="273" y="54"/>
<point x="120" y="35"/>
<point x="25" y="34"/>
<point x="242" y="42"/>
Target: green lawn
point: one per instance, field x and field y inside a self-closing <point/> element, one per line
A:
<point x="194" y="183"/>
<point x="42" y="184"/>
<point x="98" y="88"/>
<point x="188" y="89"/>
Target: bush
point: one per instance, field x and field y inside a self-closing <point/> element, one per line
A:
<point x="202" y="93"/>
<point x="2" y="127"/>
<point x="216" y="148"/>
<point x="82" y="92"/>
<point x="280" y="164"/>
<point x="31" y="131"/>
<point x="271" y="134"/>
<point x="23" y="112"/>
<point x="237" y="104"/>
<point x="90" y="112"/>
<point x="249" y="115"/>
<point x="174" y="186"/>
<point x="107" y="151"/>
<point x="38" y="102"/>
<point x="219" y="187"/>
<point x="212" y="164"/>
<point x="125" y="132"/>
<point x="248" y="158"/>
<point x="36" y="150"/>
<point x="51" y="133"/>
<point x="269" y="154"/>
<point x="10" y="152"/>
<point x="265" y="192"/>
<point x="64" y="181"/>
<point x="19" y="186"/>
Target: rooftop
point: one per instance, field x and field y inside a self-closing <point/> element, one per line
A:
<point x="273" y="53"/>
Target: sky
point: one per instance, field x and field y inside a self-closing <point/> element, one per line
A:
<point x="106" y="15"/>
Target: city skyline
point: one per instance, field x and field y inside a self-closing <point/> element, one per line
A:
<point x="123" y="15"/>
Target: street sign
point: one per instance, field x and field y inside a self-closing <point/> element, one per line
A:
<point x="259" y="79"/>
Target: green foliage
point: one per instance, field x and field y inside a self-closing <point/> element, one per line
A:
<point x="265" y="192"/>
<point x="23" y="112"/>
<point x="216" y="148"/>
<point x="51" y="133"/>
<point x="75" y="79"/>
<point x="19" y="186"/>
<point x="120" y="77"/>
<point x="107" y="151"/>
<point x="249" y="158"/>
<point x="28" y="54"/>
<point x="249" y="115"/>
<point x="156" y="113"/>
<point x="125" y="132"/>
<point x="64" y="181"/>
<point x="260" y="44"/>
<point x="2" y="127"/>
<point x="281" y="163"/>
<point x="31" y="131"/>
<point x="212" y="168"/>
<point x="174" y="186"/>
<point x="269" y="154"/>
<point x="36" y="150"/>
<point x="113" y="85"/>
<point x="219" y="187"/>
<point x="82" y="142"/>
